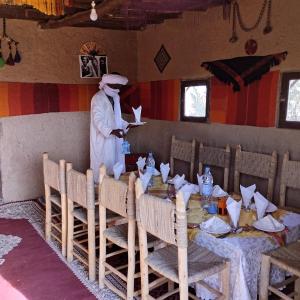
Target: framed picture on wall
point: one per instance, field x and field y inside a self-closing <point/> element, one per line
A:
<point x="93" y="66"/>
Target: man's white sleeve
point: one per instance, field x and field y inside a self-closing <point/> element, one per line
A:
<point x="98" y="115"/>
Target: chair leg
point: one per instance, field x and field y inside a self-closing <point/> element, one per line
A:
<point x="70" y="235"/>
<point x="297" y="289"/>
<point x="64" y="225"/>
<point x="264" y="277"/>
<point x="102" y="247"/>
<point x="48" y="218"/>
<point x="225" y="281"/>
<point x="143" y="265"/>
<point x="91" y="244"/>
<point x="171" y="286"/>
<point x="131" y="259"/>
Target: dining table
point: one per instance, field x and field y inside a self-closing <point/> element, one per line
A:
<point x="244" y="249"/>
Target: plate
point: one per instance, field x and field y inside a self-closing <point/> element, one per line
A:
<point x="216" y="232"/>
<point x="138" y="123"/>
<point x="262" y="228"/>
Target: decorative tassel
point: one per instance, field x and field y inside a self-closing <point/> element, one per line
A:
<point x="17" y="54"/>
<point x="2" y="61"/>
<point x="10" y="60"/>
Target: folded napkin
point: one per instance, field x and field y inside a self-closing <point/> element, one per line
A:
<point x="291" y="219"/>
<point x="268" y="223"/>
<point x="164" y="170"/>
<point x="145" y="178"/>
<point x="200" y="182"/>
<point x="137" y="114"/>
<point x="187" y="190"/>
<point x="261" y="204"/>
<point x="178" y="181"/>
<point x="215" y="225"/>
<point x="117" y="169"/>
<point x="270" y="208"/>
<point x="247" y="194"/>
<point x="218" y="192"/>
<point x="234" y="210"/>
<point x="141" y="162"/>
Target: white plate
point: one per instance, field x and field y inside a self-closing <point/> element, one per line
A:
<point x="138" y="123"/>
<point x="262" y="228"/>
<point x="220" y="231"/>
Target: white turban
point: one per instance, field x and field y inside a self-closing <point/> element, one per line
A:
<point x="112" y="79"/>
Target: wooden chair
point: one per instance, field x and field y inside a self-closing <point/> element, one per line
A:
<point x="55" y="193"/>
<point x="255" y="164"/>
<point x="217" y="157"/>
<point x="184" y="151"/>
<point x="290" y="177"/>
<point x="118" y="197"/>
<point x="81" y="208"/>
<point x="288" y="259"/>
<point x="181" y="262"/>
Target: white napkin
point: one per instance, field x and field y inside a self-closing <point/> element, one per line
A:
<point x="215" y="225"/>
<point x="137" y="114"/>
<point x="117" y="169"/>
<point x="178" y="181"/>
<point x="234" y="210"/>
<point x="270" y="208"/>
<point x="200" y="182"/>
<point x="268" y="223"/>
<point x="164" y="170"/>
<point x="156" y="172"/>
<point x="218" y="192"/>
<point x="145" y="178"/>
<point x="187" y="190"/>
<point x="247" y="194"/>
<point x="141" y="162"/>
<point x="291" y="219"/>
<point x="261" y="204"/>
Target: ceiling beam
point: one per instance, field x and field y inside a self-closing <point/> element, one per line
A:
<point x="103" y="8"/>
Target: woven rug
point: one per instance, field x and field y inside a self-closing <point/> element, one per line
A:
<point x="12" y="217"/>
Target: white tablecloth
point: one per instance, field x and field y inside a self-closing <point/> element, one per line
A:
<point x="245" y="257"/>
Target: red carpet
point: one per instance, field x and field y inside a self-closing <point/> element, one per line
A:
<point x="33" y="271"/>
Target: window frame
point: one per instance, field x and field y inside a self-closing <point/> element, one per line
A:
<point x="187" y="83"/>
<point x="284" y="93"/>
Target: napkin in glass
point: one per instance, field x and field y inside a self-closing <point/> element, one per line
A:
<point x="137" y="114"/>
<point x="200" y="182"/>
<point x="141" y="162"/>
<point x="187" y="190"/>
<point x="178" y="181"/>
<point x="145" y="178"/>
<point x="247" y="194"/>
<point x="218" y="192"/>
<point x="261" y="204"/>
<point x="117" y="169"/>
<point x="234" y="210"/>
<point x="164" y="170"/>
<point x="215" y="225"/>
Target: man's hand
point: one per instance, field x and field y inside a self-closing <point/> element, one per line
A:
<point x="132" y="126"/>
<point x="119" y="133"/>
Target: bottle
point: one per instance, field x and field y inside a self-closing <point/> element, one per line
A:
<point x="150" y="167"/>
<point x="207" y="185"/>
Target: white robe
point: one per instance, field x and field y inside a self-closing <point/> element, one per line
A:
<point x="104" y="147"/>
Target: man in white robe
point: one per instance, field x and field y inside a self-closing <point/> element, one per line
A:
<point x="107" y="126"/>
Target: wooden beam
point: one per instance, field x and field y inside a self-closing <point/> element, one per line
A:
<point x="103" y="8"/>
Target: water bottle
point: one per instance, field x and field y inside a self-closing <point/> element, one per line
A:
<point x="207" y="185"/>
<point x="150" y="167"/>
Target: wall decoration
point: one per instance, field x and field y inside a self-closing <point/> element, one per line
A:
<point x="251" y="47"/>
<point x="162" y="58"/>
<point x="240" y="71"/>
<point x="237" y="18"/>
<point x="12" y="44"/>
<point x="93" y="66"/>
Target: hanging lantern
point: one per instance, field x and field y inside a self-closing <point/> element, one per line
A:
<point x="17" y="58"/>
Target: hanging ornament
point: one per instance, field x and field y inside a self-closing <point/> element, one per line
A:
<point x="251" y="47"/>
<point x="17" y="58"/>
<point x="2" y="61"/>
<point x="93" y="15"/>
<point x="10" y="60"/>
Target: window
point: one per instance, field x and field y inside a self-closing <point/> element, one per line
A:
<point x="290" y="101"/>
<point x="194" y="100"/>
